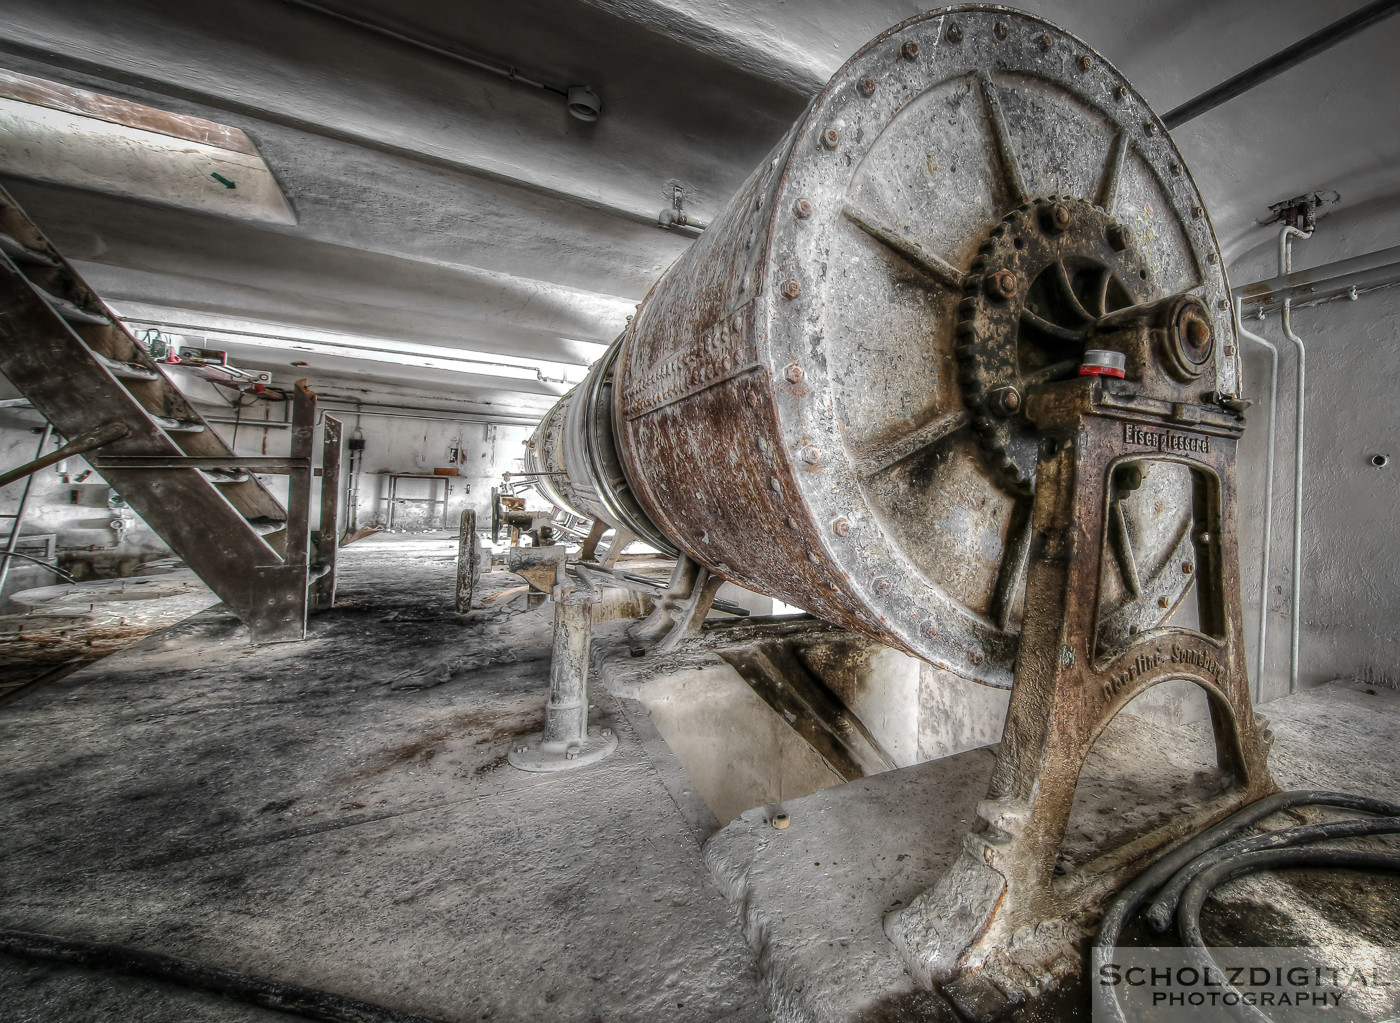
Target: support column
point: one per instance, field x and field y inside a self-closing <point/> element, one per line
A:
<point x="566" y="741"/>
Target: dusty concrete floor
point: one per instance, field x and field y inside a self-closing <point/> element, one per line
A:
<point x="812" y="897"/>
<point x="338" y="814"/>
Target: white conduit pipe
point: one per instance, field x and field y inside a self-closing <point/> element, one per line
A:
<point x="1268" y="498"/>
<point x="1285" y="265"/>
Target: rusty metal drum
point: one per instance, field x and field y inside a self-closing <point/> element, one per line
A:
<point x="819" y="400"/>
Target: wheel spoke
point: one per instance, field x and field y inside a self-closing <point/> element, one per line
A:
<point x="931" y="263"/>
<point x="1107" y="196"/>
<point x="1066" y="286"/>
<point x="1040" y="323"/>
<point x="1123" y="551"/>
<point x="896" y="451"/>
<point x="1001" y="136"/>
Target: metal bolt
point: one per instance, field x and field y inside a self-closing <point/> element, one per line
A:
<point x="866" y="85"/>
<point x="1151" y="128"/>
<point x="1086" y="62"/>
<point x="1000" y="29"/>
<point x="1163" y="602"/>
<point x="794" y="373"/>
<point x="1002" y="285"/>
<point x="571" y="753"/>
<point x="1214" y="257"/>
<point x="1121" y="93"/>
<point x="1198" y="212"/>
<point x="802" y="208"/>
<point x="910" y="50"/>
<point x="607" y="733"/>
<point x="882" y="586"/>
<point x="1043" y="41"/>
<point x="522" y="749"/>
<point x="780" y="821"/>
<point x="841" y="527"/>
<point x="812" y="454"/>
<point x="1187" y="568"/>
<point x="1005" y="401"/>
<point x="831" y="138"/>
<point x="1176" y="170"/>
<point x="1056" y="217"/>
<point x="791" y="288"/>
<point x="1229" y="351"/>
<point x="1120" y="236"/>
<point x="955" y="33"/>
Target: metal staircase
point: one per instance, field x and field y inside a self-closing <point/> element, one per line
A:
<point x="79" y="367"/>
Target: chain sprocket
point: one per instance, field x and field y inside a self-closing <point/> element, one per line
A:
<point x="1039" y="283"/>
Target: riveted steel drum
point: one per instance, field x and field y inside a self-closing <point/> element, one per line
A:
<point x="811" y="402"/>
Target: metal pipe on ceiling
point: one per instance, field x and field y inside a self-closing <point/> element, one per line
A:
<point x="1280" y="62"/>
<point x="583" y="102"/>
<point x="1345" y="278"/>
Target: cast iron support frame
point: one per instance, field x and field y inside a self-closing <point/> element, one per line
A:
<point x="999" y="917"/>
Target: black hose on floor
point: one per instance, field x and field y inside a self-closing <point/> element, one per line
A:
<point x="1183" y="878"/>
<point x="269" y="994"/>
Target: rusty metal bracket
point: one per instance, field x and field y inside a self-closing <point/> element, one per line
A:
<point x="1001" y="914"/>
<point x="680" y="608"/>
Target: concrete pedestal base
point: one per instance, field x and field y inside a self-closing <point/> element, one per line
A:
<point x="534" y="754"/>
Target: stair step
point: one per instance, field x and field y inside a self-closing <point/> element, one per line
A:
<point x="265" y="527"/>
<point x="178" y="426"/>
<point x="225" y="476"/>
<point x="127" y="370"/>
<point x="71" y="312"/>
<point x="23" y="254"/>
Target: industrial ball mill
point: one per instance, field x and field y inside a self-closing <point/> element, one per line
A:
<point x="954" y="369"/>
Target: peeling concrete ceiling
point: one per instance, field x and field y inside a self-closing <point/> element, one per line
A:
<point x="438" y="204"/>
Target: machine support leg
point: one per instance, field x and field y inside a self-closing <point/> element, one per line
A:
<point x="1004" y="913"/>
<point x="325" y="540"/>
<point x="566" y="741"/>
<point x="468" y="561"/>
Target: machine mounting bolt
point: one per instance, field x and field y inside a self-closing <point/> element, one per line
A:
<point x="1056" y="217"/>
<point x="1120" y="93"/>
<point x="522" y="749"/>
<point x="910" y="50"/>
<point x="1214" y="257"/>
<point x="1198" y="212"/>
<point x="607" y="733"/>
<point x="955" y="33"/>
<point x="1176" y="170"/>
<point x="866" y="85"/>
<point x="1086" y="62"/>
<point x="1163" y="602"/>
<point x="1043" y="41"/>
<point x="571" y="753"/>
<point x="1000" y="29"/>
<point x="1120" y="236"/>
<point x="794" y="373"/>
<point x="1002" y="285"/>
<point x="1151" y="128"/>
<point x="1005" y="401"/>
<point x="802" y="208"/>
<point x="792" y="288"/>
<point x="882" y="586"/>
<point x="811" y="454"/>
<point x="841" y="527"/>
<point x="831" y="138"/>
<point x="1187" y="568"/>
